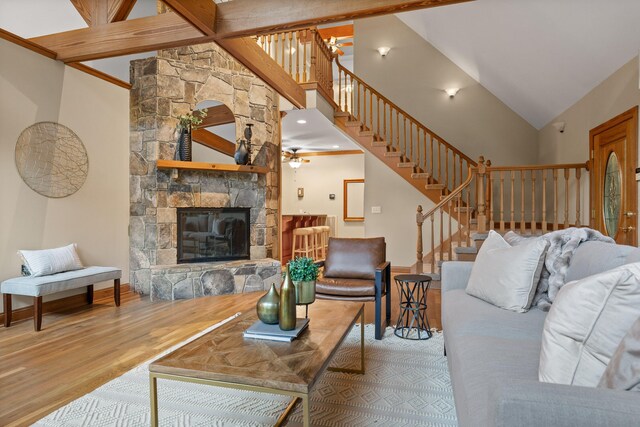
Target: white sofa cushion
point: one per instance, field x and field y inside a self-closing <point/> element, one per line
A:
<point x="51" y="261"/>
<point x="506" y="276"/>
<point x="586" y="323"/>
<point x="623" y="371"/>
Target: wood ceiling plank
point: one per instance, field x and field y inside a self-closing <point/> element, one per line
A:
<point x="200" y="13"/>
<point x="121" y="38"/>
<point x="119" y="10"/>
<point x="339" y="32"/>
<point x="240" y="18"/>
<point x="247" y="51"/>
<point x="213" y="141"/>
<point x="218" y="115"/>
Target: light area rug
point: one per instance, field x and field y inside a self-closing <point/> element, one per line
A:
<point x="406" y="384"/>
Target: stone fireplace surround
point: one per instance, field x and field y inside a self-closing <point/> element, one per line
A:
<point x="163" y="88"/>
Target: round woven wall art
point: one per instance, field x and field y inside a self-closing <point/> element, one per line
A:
<point x="51" y="159"/>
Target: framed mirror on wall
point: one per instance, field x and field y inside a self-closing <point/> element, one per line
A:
<point x="353" y="206"/>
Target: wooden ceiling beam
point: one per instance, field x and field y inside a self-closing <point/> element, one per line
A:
<point x="121" y="38"/>
<point x="98" y="12"/>
<point x="241" y="18"/>
<point x="213" y="141"/>
<point x="119" y="10"/>
<point x="200" y="13"/>
<point x="218" y="115"/>
<point x="236" y="18"/>
<point x="247" y="52"/>
<point x="84" y="8"/>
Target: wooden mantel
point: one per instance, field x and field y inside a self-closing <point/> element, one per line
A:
<point x="222" y="167"/>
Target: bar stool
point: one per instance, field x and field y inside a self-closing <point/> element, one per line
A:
<point x="302" y="244"/>
<point x="318" y="248"/>
<point x="322" y="240"/>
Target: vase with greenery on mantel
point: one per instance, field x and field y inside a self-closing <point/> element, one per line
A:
<point x="304" y="273"/>
<point x="186" y="123"/>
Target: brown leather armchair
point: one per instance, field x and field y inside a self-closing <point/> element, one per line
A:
<point x="357" y="270"/>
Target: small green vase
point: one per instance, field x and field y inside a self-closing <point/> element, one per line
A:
<point x="268" y="306"/>
<point x="287" y="304"/>
<point x="305" y="292"/>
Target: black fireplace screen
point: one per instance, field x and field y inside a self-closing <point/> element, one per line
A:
<point x="212" y="234"/>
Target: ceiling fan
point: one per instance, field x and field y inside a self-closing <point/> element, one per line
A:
<point x="334" y="44"/>
<point x="293" y="158"/>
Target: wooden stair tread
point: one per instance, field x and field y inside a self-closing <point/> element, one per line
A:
<point x="341" y="114"/>
<point x="420" y="175"/>
<point x="365" y="133"/>
<point x="466" y="250"/>
<point x="406" y="165"/>
<point x="393" y="154"/>
<point x="353" y="123"/>
<point x="434" y="186"/>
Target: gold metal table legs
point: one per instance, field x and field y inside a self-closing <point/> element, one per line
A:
<point x="304" y="397"/>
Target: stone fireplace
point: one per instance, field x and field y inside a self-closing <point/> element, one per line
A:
<point x="163" y="88"/>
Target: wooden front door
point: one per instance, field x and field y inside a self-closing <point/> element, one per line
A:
<point x="613" y="147"/>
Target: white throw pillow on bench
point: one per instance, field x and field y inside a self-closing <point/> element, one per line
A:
<point x="51" y="261"/>
<point x="586" y="324"/>
<point x="507" y="276"/>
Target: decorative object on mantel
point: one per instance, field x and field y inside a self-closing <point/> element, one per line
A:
<point x="287" y="304"/>
<point x="304" y="273"/>
<point x="185" y="125"/>
<point x="51" y="159"/>
<point x="268" y="306"/>
<point x="243" y="150"/>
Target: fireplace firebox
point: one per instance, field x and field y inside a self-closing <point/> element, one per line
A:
<point x="213" y="234"/>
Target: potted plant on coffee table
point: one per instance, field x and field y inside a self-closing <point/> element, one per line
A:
<point x="304" y="273"/>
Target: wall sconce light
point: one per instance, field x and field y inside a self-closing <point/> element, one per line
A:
<point x="383" y="51"/>
<point x="559" y="126"/>
<point x="452" y="91"/>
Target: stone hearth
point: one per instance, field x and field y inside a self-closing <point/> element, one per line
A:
<point x="185" y="281"/>
<point x="163" y="88"/>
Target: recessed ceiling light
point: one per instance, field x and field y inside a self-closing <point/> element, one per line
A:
<point x="335" y="146"/>
<point x="301" y="121"/>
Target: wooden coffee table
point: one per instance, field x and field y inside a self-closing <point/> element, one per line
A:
<point x="224" y="358"/>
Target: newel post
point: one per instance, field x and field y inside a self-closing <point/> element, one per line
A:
<point x="419" y="221"/>
<point x="482" y="215"/>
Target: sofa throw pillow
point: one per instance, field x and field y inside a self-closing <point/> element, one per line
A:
<point x="586" y="323"/>
<point x="506" y="276"/>
<point x="623" y="371"/>
<point x="51" y="261"/>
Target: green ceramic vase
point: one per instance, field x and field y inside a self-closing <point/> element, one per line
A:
<point x="287" y="304"/>
<point x="305" y="292"/>
<point x="268" y="306"/>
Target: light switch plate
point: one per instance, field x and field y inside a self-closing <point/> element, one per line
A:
<point x="376" y="209"/>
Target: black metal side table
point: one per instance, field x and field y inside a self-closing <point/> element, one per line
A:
<point x="412" y="322"/>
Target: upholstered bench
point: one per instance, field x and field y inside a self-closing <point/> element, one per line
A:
<point x="39" y="286"/>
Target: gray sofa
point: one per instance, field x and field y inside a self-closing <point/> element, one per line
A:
<point x="493" y="357"/>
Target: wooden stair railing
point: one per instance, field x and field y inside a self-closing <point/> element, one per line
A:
<point x="528" y="199"/>
<point x="418" y="146"/>
<point x="304" y="56"/>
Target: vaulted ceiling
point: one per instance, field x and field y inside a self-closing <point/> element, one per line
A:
<point x="538" y="56"/>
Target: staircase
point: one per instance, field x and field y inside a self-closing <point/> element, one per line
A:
<point x="471" y="197"/>
<point x="429" y="163"/>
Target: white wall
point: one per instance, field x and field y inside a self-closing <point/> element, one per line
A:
<point x="615" y="95"/>
<point x="398" y="201"/>
<point x="32" y="89"/>
<point x="414" y="75"/>
<point x="324" y="175"/>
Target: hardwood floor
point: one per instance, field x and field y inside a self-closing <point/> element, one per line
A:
<point x="82" y="348"/>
